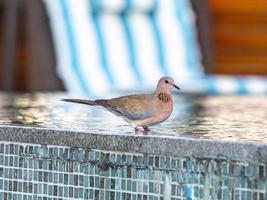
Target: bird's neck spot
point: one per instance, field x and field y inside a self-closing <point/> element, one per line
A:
<point x="164" y="97"/>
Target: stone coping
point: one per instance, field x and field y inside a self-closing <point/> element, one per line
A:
<point x="145" y="144"/>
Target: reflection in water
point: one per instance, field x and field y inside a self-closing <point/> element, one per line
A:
<point x="218" y="117"/>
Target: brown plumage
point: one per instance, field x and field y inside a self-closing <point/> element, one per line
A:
<point x="139" y="110"/>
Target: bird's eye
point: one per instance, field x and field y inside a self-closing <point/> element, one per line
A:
<point x="166" y="81"/>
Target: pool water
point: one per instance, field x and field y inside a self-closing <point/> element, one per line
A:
<point x="236" y="118"/>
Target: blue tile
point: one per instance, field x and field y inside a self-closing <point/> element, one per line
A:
<point x="66" y="191"/>
<point x="2" y="158"/>
<point x="2" y="148"/>
<point x="7" y="149"/>
<point x="88" y="175"/>
<point x="1" y="184"/>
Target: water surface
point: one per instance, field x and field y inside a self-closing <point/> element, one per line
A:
<point x="238" y="118"/>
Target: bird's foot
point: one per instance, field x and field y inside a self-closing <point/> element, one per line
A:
<point x="146" y="130"/>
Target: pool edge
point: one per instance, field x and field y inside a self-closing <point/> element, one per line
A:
<point x="145" y="144"/>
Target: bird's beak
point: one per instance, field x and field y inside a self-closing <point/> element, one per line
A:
<point x="175" y="86"/>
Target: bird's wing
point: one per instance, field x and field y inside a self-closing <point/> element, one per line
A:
<point x="133" y="107"/>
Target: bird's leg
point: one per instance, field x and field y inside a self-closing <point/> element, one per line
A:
<point x="136" y="129"/>
<point x="146" y="129"/>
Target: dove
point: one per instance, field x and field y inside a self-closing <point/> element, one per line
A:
<point x="139" y="110"/>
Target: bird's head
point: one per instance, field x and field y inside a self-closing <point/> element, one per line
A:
<point x="166" y="84"/>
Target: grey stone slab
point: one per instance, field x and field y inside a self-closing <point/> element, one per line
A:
<point x="146" y="144"/>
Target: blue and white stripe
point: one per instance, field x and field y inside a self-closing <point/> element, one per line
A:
<point x="118" y="6"/>
<point x="104" y="45"/>
<point x="61" y="44"/>
<point x="219" y="84"/>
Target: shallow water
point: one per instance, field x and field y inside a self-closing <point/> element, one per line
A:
<point x="242" y="118"/>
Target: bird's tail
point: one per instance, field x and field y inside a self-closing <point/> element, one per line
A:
<point x="82" y="101"/>
<point x="87" y="102"/>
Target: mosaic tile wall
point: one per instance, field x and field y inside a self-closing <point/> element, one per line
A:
<point x="35" y="172"/>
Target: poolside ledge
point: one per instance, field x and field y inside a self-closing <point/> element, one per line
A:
<point x="145" y="144"/>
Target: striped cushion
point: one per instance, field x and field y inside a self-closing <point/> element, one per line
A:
<point x="102" y="51"/>
<point x="129" y="44"/>
<point x="226" y="85"/>
<point x="119" y="6"/>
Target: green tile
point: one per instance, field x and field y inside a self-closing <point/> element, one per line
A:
<point x="60" y="178"/>
<point x="129" y="159"/>
<point x="5" y="173"/>
<point x="261" y="171"/>
<point x="76" y="166"/>
<point x="71" y="192"/>
<point x="151" y="187"/>
<point x="112" y="172"/>
<point x="134" y="186"/>
<point x="50" y="152"/>
<point x="20" y="186"/>
<point x="66" y="191"/>
<point x="6" y="161"/>
<point x="134" y="197"/>
<point x="92" y="181"/>
<point x="55" y="177"/>
<point x="76" y="193"/>
<point x="7" y="149"/>
<point x="237" y="170"/>
<point x="112" y="196"/>
<point x="2" y="158"/>
<point x="129" y="185"/>
<point x="21" y="150"/>
<point x="36" y="151"/>
<point x="2" y="148"/>
<point x="61" y="165"/>
<point x="43" y="151"/>
<point x="80" y="155"/>
<point x="97" y="182"/>
<point x="123" y="184"/>
<point x="45" y="190"/>
<point x="173" y="163"/>
<point x="162" y="163"/>
<point x="11" y="149"/>
<point x="61" y="152"/>
<point x="16" y="149"/>
<point x="139" y="187"/>
<point x="107" y="194"/>
<point x="50" y="190"/>
<point x="1" y="184"/>
<point x="123" y="159"/>
<point x="118" y="196"/>
<point x="86" y="194"/>
<point x="35" y="188"/>
<point x="55" y="152"/>
<point x="107" y="183"/>
<point x="262" y="196"/>
<point x="97" y="155"/>
<point x="66" y="154"/>
<point x="251" y="170"/>
<point x="145" y="160"/>
<point x="145" y="187"/>
<point x="60" y="191"/>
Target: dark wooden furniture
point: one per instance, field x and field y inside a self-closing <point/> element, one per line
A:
<point x="239" y="36"/>
<point x="28" y="59"/>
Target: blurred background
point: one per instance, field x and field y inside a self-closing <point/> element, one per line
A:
<point x="232" y="37"/>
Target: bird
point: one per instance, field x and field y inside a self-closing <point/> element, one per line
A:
<point x="139" y="110"/>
